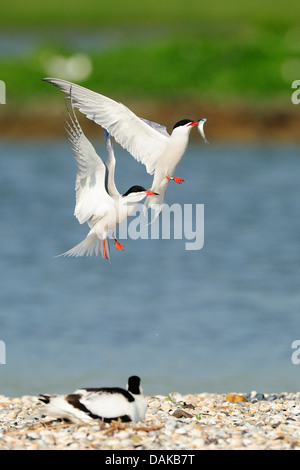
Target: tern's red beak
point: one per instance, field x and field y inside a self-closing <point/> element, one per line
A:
<point x="194" y="123"/>
<point x="151" y="193"/>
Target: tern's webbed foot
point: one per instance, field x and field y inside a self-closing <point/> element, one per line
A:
<point x="177" y="179"/>
<point x="118" y="245"/>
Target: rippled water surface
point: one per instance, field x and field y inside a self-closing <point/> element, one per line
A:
<point x="220" y="319"/>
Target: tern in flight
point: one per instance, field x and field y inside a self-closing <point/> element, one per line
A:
<point x="98" y="202"/>
<point x="147" y="141"/>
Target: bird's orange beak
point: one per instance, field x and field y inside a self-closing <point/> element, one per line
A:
<point x="194" y="123"/>
<point x="151" y="193"/>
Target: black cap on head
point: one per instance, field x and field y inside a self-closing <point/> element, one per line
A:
<point x="134" y="189"/>
<point x="183" y="122"/>
<point x="134" y="385"/>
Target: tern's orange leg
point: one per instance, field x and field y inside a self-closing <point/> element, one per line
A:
<point x="104" y="250"/>
<point x="176" y="179"/>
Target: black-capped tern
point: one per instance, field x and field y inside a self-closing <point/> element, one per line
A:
<point x="98" y="202"/>
<point x="147" y="141"/>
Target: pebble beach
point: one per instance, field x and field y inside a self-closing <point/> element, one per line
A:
<point x="251" y="421"/>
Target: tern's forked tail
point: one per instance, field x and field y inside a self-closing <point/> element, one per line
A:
<point x="90" y="246"/>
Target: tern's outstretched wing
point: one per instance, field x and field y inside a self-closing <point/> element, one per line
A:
<point x="146" y="142"/>
<point x="92" y="199"/>
<point x="110" y="164"/>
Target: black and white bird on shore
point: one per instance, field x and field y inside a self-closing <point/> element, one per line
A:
<point x="148" y="142"/>
<point x="106" y="404"/>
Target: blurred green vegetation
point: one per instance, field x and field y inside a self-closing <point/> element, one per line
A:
<point x="100" y="13"/>
<point x="233" y="51"/>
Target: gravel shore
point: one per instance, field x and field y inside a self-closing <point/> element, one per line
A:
<point x="252" y="421"/>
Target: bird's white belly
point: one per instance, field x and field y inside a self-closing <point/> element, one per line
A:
<point x="169" y="161"/>
<point x="112" y="219"/>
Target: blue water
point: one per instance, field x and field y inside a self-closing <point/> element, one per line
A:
<point x="220" y="319"/>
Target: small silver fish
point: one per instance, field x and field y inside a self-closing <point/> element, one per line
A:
<point x="201" y="129"/>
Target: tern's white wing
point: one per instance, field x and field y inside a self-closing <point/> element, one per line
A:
<point x="92" y="199"/>
<point x="159" y="127"/>
<point x="110" y="164"/>
<point x="144" y="141"/>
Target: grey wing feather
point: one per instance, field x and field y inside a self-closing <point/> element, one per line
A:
<point x="85" y="155"/>
<point x="158" y="127"/>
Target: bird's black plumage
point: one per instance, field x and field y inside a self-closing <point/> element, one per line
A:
<point x="134" y="189"/>
<point x="183" y="122"/>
